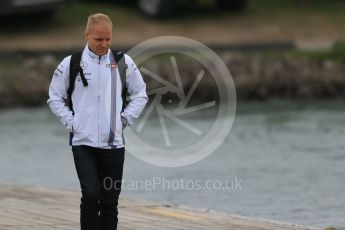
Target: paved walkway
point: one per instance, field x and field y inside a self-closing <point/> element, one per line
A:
<point x="23" y="208"/>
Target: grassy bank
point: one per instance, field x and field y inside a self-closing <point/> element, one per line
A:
<point x="25" y="81"/>
<point x="264" y="21"/>
<point x="336" y="53"/>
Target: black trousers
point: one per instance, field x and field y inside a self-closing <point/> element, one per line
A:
<point x="100" y="174"/>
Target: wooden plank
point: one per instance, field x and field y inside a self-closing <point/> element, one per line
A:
<point x="25" y="208"/>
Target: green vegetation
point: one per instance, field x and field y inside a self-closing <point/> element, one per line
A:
<point x="302" y="5"/>
<point x="337" y="53"/>
<point x="287" y="13"/>
<point x="297" y="13"/>
<point x="281" y="10"/>
<point x="76" y="13"/>
<point x="330" y="8"/>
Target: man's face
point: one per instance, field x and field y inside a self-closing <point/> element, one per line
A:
<point x="99" y="38"/>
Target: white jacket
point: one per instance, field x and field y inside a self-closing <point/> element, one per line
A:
<point x="95" y="117"/>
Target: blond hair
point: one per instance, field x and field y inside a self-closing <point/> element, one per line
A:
<point x="98" y="18"/>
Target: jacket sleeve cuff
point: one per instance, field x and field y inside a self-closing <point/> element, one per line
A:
<point x="69" y="124"/>
<point x="126" y="121"/>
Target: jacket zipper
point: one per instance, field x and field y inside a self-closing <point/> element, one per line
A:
<point x="98" y="96"/>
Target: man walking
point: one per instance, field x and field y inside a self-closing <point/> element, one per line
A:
<point x="91" y="106"/>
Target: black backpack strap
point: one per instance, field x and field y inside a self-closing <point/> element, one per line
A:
<point x="74" y="68"/>
<point x="121" y="63"/>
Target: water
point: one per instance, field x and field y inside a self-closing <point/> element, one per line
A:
<point x="287" y="160"/>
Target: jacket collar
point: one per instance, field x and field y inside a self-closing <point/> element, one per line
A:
<point x="94" y="56"/>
